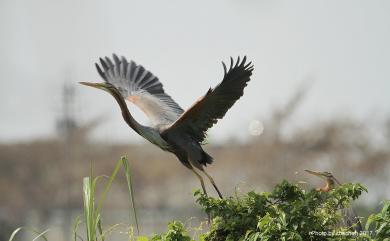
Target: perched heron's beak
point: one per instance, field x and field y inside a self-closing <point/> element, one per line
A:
<point x="318" y="174"/>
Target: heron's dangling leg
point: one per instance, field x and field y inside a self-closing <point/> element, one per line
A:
<point x="204" y="190"/>
<point x="201" y="180"/>
<point x="212" y="182"/>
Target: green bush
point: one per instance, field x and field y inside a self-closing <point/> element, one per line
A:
<point x="380" y="222"/>
<point x="287" y="213"/>
<point x="176" y="232"/>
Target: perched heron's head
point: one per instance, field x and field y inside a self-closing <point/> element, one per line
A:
<point x="323" y="175"/>
<point x="328" y="177"/>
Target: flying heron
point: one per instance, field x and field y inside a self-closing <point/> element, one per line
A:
<point x="173" y="129"/>
<point x="350" y="219"/>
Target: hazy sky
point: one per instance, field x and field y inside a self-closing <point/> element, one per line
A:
<point x="343" y="46"/>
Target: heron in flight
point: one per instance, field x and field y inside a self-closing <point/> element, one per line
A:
<point x="350" y="219"/>
<point x="173" y="129"/>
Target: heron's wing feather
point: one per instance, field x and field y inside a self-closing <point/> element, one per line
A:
<point x="141" y="87"/>
<point x="215" y="103"/>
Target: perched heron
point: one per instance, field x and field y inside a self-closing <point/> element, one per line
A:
<point x="350" y="219"/>
<point x="173" y="129"/>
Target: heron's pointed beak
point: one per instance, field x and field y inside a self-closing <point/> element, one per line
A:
<point x="95" y="85"/>
<point x="318" y="174"/>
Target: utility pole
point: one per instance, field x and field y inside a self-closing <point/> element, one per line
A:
<point x="67" y="123"/>
<point x="67" y="126"/>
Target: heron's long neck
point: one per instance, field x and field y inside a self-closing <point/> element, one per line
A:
<point x="330" y="184"/>
<point x="126" y="113"/>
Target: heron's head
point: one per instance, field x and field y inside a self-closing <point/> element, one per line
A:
<point x="102" y="86"/>
<point x="323" y="175"/>
<point x="326" y="176"/>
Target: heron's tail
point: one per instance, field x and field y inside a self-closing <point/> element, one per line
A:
<point x="206" y="159"/>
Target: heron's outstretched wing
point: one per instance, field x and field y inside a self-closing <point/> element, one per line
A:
<point x="141" y="87"/>
<point x="215" y="103"/>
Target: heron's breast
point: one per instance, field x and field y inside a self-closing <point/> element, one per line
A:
<point x="155" y="138"/>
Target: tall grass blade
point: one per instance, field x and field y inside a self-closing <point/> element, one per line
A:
<point x="76" y="224"/>
<point x="89" y="210"/>
<point x="92" y="215"/>
<point x="14" y="233"/>
<point x="100" y="228"/>
<point x="108" y="186"/>
<point x="125" y="163"/>
<point x="40" y="234"/>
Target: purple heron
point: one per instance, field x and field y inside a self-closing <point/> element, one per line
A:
<point x="350" y="219"/>
<point x="173" y="129"/>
